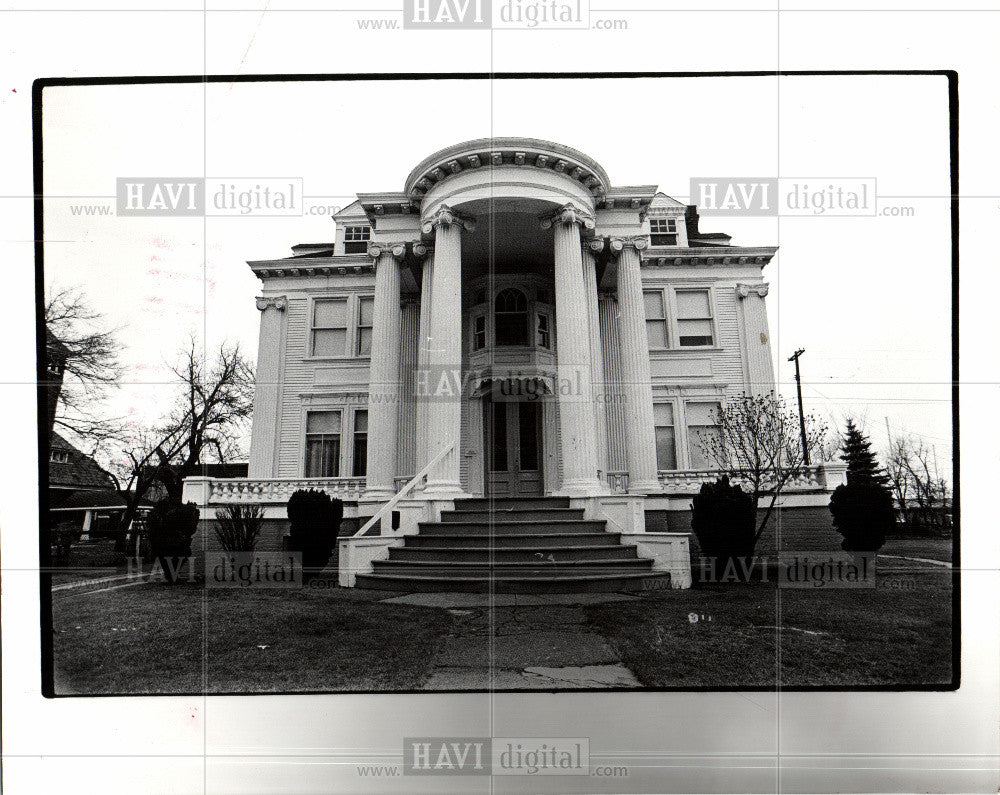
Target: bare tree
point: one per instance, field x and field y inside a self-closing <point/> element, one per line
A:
<point x="921" y="493"/>
<point x="213" y="405"/>
<point x="757" y="441"/>
<point x="210" y="414"/>
<point x="91" y="365"/>
<point x="900" y="480"/>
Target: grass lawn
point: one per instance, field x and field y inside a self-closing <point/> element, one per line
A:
<point x="896" y="634"/>
<point x="929" y="548"/>
<point x="154" y="638"/>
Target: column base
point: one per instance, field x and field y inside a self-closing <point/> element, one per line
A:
<point x="645" y="487"/>
<point x="442" y="490"/>
<point x="590" y="487"/>
<point x="376" y="495"/>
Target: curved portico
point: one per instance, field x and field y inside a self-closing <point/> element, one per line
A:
<point x="522" y="213"/>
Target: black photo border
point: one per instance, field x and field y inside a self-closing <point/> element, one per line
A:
<point x="45" y="585"/>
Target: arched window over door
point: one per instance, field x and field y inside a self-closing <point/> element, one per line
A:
<point x="511" y="317"/>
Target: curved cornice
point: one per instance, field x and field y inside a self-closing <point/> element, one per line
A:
<point x="528" y="152"/>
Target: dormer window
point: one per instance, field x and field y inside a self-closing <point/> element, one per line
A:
<point x="663" y="232"/>
<point x="59" y="456"/>
<point x="356" y="239"/>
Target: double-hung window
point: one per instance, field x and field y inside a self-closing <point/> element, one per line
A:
<point x="542" y="337"/>
<point x="329" y="327"/>
<point x="694" y="319"/>
<point x="323" y="444"/>
<point x="656" y="318"/>
<point x="702" y="433"/>
<point x="666" y="441"/>
<point x="356" y="239"/>
<point x="366" y="307"/>
<point x="662" y="232"/>
<point x="360" y="443"/>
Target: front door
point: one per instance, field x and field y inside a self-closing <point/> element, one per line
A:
<point x="513" y="444"/>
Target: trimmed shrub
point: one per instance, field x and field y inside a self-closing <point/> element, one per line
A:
<point x="238" y="527"/>
<point x="170" y="528"/>
<point x="61" y="539"/>
<point x="315" y="521"/>
<point x="863" y="514"/>
<point x="723" y="519"/>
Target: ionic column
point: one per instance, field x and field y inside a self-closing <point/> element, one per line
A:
<point x="756" y="342"/>
<point x="409" y="341"/>
<point x="574" y="391"/>
<point x="590" y="249"/>
<point x="423" y="353"/>
<point x="637" y="382"/>
<point x="614" y="401"/>
<point x="383" y="391"/>
<point x="444" y="352"/>
<point x="267" y="393"/>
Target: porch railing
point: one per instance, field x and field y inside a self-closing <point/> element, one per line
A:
<point x="279" y="490"/>
<point x="403" y="492"/>
<point x="811" y="478"/>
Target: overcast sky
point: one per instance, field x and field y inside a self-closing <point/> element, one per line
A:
<point x="867" y="297"/>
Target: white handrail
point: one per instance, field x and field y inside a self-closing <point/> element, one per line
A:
<point x="405" y="490"/>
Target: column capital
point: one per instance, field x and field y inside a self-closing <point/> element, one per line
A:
<point x="744" y="290"/>
<point x="569" y="214"/>
<point x="593" y="246"/>
<point x="420" y="249"/>
<point x="638" y="242"/>
<point x="445" y="216"/>
<point x="278" y="302"/>
<point x="396" y="250"/>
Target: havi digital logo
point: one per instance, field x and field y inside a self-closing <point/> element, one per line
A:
<point x="455" y="14"/>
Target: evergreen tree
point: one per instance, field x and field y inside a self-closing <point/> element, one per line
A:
<point x="862" y="464"/>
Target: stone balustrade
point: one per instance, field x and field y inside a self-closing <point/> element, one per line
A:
<point x="819" y="477"/>
<point x="218" y="491"/>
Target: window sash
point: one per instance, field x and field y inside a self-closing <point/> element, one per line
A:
<point x="479" y="333"/>
<point x="360" y="447"/>
<point x="701" y="426"/>
<point x="322" y="455"/>
<point x="542" y="337"/>
<point x="353" y="234"/>
<point x="693" y="305"/>
<point x="696" y="435"/>
<point x="665" y="434"/>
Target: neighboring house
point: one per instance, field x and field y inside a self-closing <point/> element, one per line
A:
<point x="81" y="494"/>
<point x="510" y="325"/>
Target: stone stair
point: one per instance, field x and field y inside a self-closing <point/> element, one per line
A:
<point x="514" y="545"/>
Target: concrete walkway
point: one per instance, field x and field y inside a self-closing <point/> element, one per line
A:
<point x="519" y="642"/>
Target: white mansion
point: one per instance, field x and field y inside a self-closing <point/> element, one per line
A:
<point x="510" y="325"/>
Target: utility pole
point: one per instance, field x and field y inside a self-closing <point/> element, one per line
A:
<point x="802" y="416"/>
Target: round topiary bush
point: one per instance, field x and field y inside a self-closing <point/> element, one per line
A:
<point x="723" y="520"/>
<point x="315" y="519"/>
<point x="863" y="514"/>
<point x="170" y="528"/>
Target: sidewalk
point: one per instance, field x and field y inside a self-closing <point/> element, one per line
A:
<point x="516" y="642"/>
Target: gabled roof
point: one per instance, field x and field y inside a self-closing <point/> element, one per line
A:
<point x="662" y="200"/>
<point x="352" y="210"/>
<point x="80" y="471"/>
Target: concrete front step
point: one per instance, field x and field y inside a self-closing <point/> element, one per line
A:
<point x="533" y="569"/>
<point x="511" y="527"/>
<point x="514" y="515"/>
<point x="505" y="503"/>
<point x="511" y="540"/>
<point x="550" y="584"/>
<point x="559" y="554"/>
